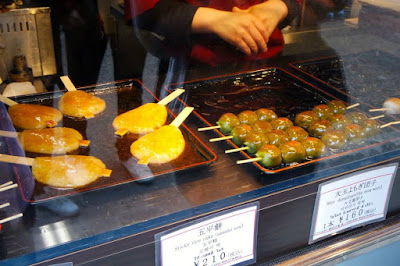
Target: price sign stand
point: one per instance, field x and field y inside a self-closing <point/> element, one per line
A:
<point x="226" y="238"/>
<point x="351" y="201"/>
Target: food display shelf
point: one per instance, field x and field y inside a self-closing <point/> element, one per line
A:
<point x="113" y="150"/>
<point x="277" y="90"/>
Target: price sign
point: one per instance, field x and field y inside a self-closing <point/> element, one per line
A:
<point x="351" y="201"/>
<point x="226" y="238"/>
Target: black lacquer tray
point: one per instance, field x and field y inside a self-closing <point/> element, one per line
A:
<point x="277" y="90"/>
<point x="370" y="77"/>
<point x="113" y="150"/>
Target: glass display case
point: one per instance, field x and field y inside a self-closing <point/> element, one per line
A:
<point x="57" y="208"/>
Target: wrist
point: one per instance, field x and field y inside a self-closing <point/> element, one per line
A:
<point x="205" y="19"/>
<point x="279" y="8"/>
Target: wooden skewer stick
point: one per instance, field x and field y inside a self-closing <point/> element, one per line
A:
<point x="221" y="138"/>
<point x="6" y="184"/>
<point x="352" y="106"/>
<point x="4" y="205"/>
<point x="395" y="122"/>
<point x="8" y="134"/>
<point x="16" y="159"/>
<point x="378" y="110"/>
<point x="171" y="97"/>
<point x="377" y="117"/>
<point x="386" y="125"/>
<point x="7" y="101"/>
<point x="68" y="83"/>
<point x="237" y="149"/>
<point x="182" y="116"/>
<point x="11" y="218"/>
<point x="8" y="187"/>
<point x="249" y="160"/>
<point x="208" y="128"/>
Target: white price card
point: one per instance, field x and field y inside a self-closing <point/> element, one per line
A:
<point x="225" y="238"/>
<point x="351" y="201"/>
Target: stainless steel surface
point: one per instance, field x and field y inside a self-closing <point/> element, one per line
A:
<point x="29" y="32"/>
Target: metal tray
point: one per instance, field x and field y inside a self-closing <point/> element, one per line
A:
<point x="271" y="88"/>
<point x="370" y="77"/>
<point x="113" y="150"/>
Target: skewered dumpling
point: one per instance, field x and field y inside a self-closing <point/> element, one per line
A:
<point x="142" y="120"/>
<point x="81" y="104"/>
<point x="68" y="171"/>
<point x="31" y="116"/>
<point x="57" y="140"/>
<point x="161" y="146"/>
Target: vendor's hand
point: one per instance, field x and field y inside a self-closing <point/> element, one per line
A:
<point x="241" y="29"/>
<point x="270" y="13"/>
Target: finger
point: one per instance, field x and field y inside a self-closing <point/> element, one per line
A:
<point x="259" y="39"/>
<point x="242" y="46"/>
<point x="251" y="43"/>
<point x="263" y="30"/>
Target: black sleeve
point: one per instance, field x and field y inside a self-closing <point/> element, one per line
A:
<point x="293" y="12"/>
<point x="171" y="19"/>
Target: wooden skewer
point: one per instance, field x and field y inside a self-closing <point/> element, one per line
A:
<point x="352" y="106"/>
<point x="237" y="149"/>
<point x="7" y="101"/>
<point x="4" y="205"/>
<point x="378" y="110"/>
<point x="68" y="83"/>
<point x="377" y="117"/>
<point x="208" y="128"/>
<point x="249" y="160"/>
<point x="221" y="138"/>
<point x="386" y="125"/>
<point x="11" y="218"/>
<point x="395" y="122"/>
<point x="172" y="96"/>
<point x="8" y="187"/>
<point x="8" y="134"/>
<point x="182" y="116"/>
<point x="6" y="184"/>
<point x="16" y="159"/>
